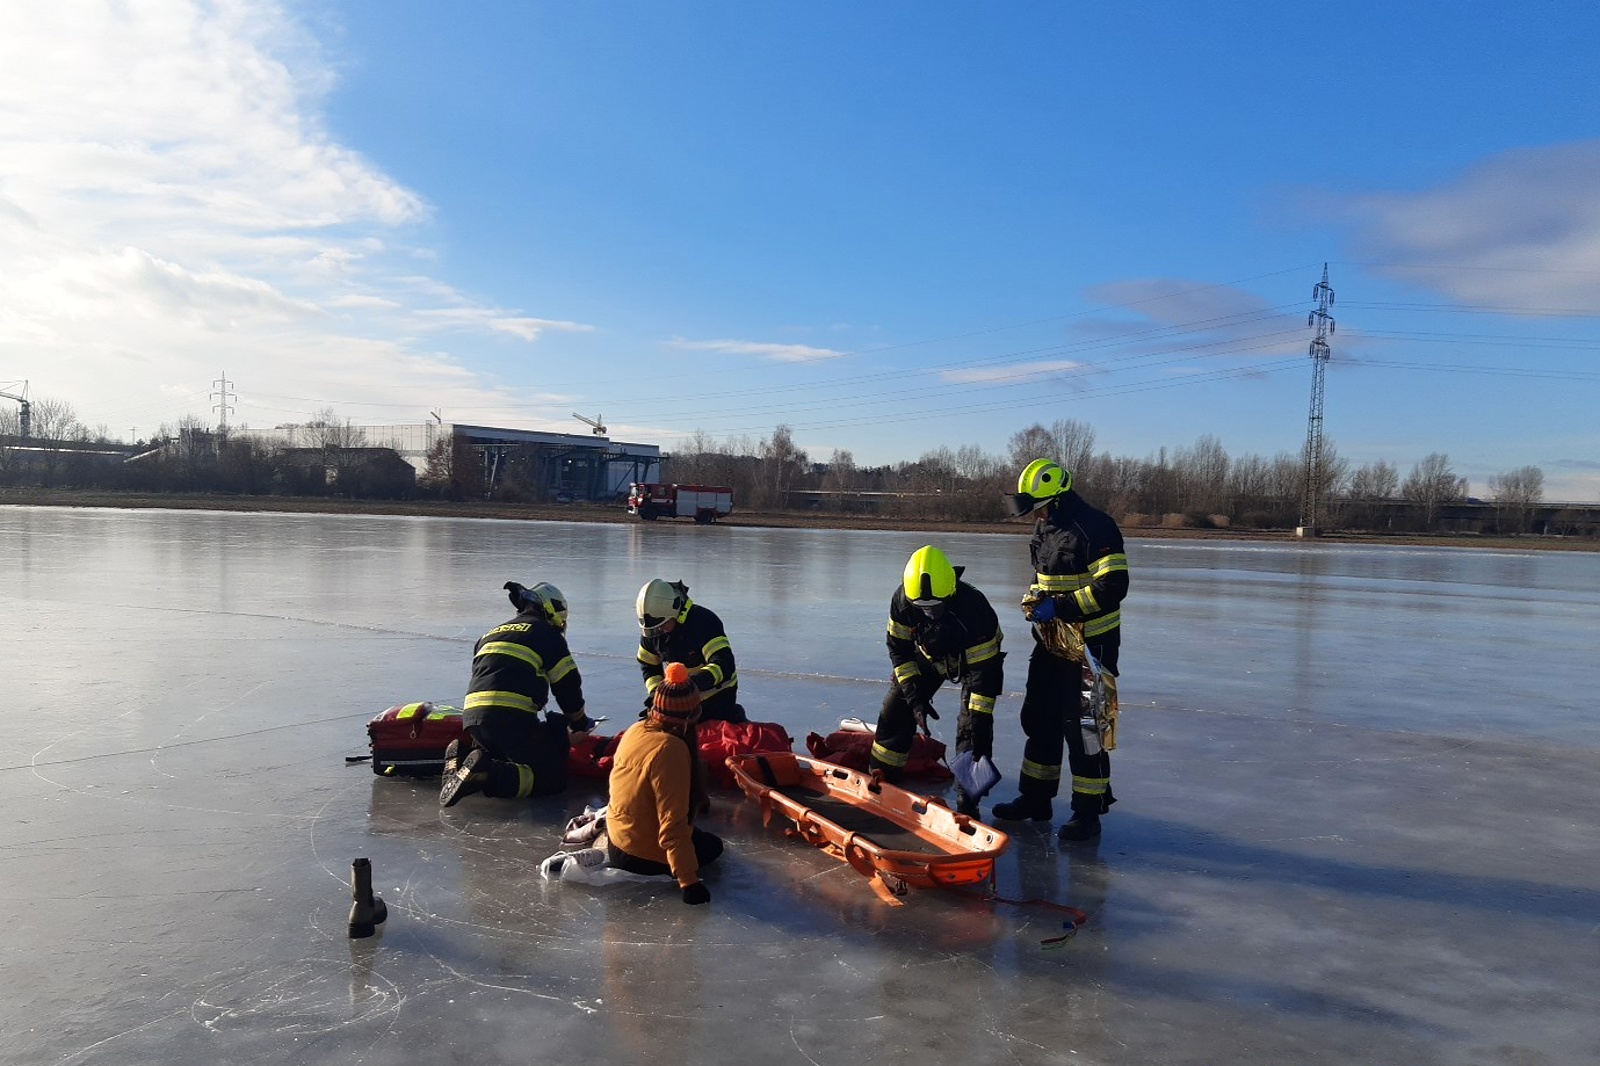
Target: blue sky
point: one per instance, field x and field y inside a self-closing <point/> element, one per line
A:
<point x="891" y="226"/>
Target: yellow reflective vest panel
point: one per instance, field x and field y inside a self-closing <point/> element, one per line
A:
<point x="699" y="642"/>
<point x="519" y="665"/>
<point x="962" y="645"/>
<point x="1079" y="561"/>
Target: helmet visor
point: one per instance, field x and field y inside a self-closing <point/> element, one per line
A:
<point x="931" y="608"/>
<point x="649" y="624"/>
<point x="1020" y="503"/>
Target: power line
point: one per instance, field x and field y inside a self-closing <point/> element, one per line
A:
<point x="1322" y="322"/>
<point x="223" y="394"/>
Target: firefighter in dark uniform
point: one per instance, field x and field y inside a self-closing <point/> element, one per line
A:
<point x="513" y="749"/>
<point x="940" y="629"/>
<point x="1080" y="579"/>
<point x="675" y="629"/>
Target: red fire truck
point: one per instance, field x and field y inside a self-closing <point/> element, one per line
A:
<point x="703" y="503"/>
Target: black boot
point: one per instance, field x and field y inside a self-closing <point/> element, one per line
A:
<point x="455" y="751"/>
<point x="467" y="779"/>
<point x="1083" y="827"/>
<point x="965" y="804"/>
<point x="891" y="774"/>
<point x="367" y="911"/>
<point x="1024" y="808"/>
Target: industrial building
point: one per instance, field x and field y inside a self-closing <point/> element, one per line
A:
<point x="565" y="466"/>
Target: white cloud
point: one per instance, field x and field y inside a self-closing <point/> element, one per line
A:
<point x="1519" y="229"/>
<point x="467" y="317"/>
<point x="777" y="353"/>
<point x="1012" y="373"/>
<point x="171" y="205"/>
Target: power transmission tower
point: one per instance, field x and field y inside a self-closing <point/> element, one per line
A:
<point x="1323" y="323"/>
<point x="222" y="394"/>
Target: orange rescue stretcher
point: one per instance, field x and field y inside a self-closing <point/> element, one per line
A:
<point x="958" y="849"/>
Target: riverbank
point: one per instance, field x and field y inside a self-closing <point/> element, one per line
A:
<point x="592" y="512"/>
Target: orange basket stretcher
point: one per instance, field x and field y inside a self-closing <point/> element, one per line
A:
<point x="964" y="848"/>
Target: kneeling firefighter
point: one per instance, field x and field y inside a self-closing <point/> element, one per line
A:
<point x="513" y="749"/>
<point x="673" y="628"/>
<point x="940" y="629"/>
<point x="650" y="815"/>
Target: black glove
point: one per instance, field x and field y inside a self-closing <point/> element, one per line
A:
<point x="581" y="724"/>
<point x="697" y="894"/>
<point x="923" y="710"/>
<point x="514" y="590"/>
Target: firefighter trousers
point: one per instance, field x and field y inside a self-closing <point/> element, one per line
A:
<point x="897" y="727"/>
<point x="1052" y="707"/>
<point x="527" y="752"/>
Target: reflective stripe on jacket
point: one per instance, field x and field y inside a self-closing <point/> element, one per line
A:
<point x="1079" y="561"/>
<point x="518" y="665"/>
<point x="962" y="644"/>
<point x="699" y="642"/>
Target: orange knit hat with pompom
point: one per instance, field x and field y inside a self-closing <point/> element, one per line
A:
<point x="676" y="699"/>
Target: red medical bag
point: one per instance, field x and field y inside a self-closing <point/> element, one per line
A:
<point x="409" y="740"/>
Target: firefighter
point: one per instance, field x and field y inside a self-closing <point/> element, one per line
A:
<point x="1080" y="579"/>
<point x="673" y="628"/>
<point x="650" y="817"/>
<point x="513" y="749"/>
<point x="940" y="629"/>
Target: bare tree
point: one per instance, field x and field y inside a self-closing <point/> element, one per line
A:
<point x="1375" y="481"/>
<point x="782" y="465"/>
<point x="841" y="471"/>
<point x="1067" y="441"/>
<point x="1202" y="476"/>
<point x="1515" y="494"/>
<point x="1432" y="483"/>
<point x="1073" y="443"/>
<point x="454" y="469"/>
<point x="1029" y="444"/>
<point x="1365" y="492"/>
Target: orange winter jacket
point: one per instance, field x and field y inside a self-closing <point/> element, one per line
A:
<point x="648" y="815"/>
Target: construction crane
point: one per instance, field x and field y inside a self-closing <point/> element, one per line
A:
<point x="595" y="425"/>
<point x="25" y="416"/>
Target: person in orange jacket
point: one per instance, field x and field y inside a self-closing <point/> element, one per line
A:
<point x="650" y="816"/>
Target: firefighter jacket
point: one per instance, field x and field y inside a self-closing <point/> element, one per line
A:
<point x="648" y="813"/>
<point x="962" y="644"/>
<point x="698" y="642"/>
<point x="1078" y="561"/>
<point x="519" y="665"/>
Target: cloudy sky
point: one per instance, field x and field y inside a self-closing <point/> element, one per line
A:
<point x="892" y="226"/>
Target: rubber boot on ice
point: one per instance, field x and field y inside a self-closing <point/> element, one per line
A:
<point x="367" y="911"/>
<point x="1025" y="808"/>
<point x="1081" y="828"/>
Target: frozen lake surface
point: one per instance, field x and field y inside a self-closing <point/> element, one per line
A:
<point x="1358" y="817"/>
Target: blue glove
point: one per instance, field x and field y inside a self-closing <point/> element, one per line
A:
<point x="1044" y="610"/>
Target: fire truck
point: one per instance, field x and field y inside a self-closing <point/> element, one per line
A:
<point x="703" y="503"/>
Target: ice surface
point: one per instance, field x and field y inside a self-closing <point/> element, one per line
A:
<point x="1357" y="817"/>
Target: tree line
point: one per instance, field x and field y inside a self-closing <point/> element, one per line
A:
<point x="1200" y="485"/>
